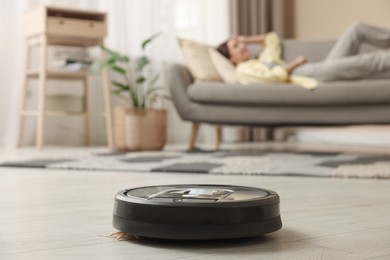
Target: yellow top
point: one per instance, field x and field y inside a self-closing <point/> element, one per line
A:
<point x="269" y="67"/>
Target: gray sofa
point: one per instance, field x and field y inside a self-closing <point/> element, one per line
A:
<point x="332" y="103"/>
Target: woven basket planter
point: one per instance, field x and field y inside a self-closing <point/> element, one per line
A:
<point x="140" y="129"/>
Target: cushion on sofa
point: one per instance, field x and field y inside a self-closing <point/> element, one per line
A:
<point x="225" y="69"/>
<point x="198" y="61"/>
<point x="334" y="93"/>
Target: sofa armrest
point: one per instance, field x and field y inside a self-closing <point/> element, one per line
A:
<point x="179" y="79"/>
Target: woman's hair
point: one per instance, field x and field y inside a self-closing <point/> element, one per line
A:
<point x="224" y="50"/>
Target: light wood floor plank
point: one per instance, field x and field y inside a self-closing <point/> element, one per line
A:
<point x="371" y="243"/>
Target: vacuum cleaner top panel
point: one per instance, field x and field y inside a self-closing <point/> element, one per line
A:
<point x="194" y="194"/>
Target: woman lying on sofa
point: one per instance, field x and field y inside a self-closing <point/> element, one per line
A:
<point x="342" y="63"/>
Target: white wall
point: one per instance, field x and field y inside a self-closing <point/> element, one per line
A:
<point x="320" y="19"/>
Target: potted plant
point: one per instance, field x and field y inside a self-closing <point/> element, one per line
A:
<point x="137" y="124"/>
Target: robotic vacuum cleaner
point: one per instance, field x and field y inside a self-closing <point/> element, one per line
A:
<point x="197" y="211"/>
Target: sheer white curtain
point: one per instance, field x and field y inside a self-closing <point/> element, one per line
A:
<point x="129" y="22"/>
<point x="11" y="56"/>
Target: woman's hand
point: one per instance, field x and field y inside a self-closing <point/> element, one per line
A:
<point x="242" y="39"/>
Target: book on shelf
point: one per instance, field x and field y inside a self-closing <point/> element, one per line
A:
<point x="71" y="59"/>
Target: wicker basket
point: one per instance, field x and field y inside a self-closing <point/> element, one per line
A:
<point x="140" y="129"/>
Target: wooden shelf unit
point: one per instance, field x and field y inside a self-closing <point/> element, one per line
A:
<point x="47" y="26"/>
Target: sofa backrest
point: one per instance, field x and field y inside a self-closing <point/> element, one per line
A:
<point x="312" y="50"/>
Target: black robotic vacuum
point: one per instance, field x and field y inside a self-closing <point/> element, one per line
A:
<point x="197" y="211"/>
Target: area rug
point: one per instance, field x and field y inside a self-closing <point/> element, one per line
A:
<point x="232" y="162"/>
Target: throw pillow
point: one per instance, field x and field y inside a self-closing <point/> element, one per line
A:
<point x="225" y="68"/>
<point x="198" y="60"/>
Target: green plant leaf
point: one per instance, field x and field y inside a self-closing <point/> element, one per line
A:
<point x="120" y="85"/>
<point x="153" y="98"/>
<point x="140" y="80"/>
<point x="167" y="97"/>
<point x="153" y="80"/>
<point x="152" y="90"/>
<point x="162" y="95"/>
<point x="124" y="59"/>
<point x="109" y="52"/>
<point x="155" y="92"/>
<point x="146" y="42"/>
<point x="97" y="66"/>
<point x="133" y="94"/>
<point x="111" y="61"/>
<point x="115" y="55"/>
<point x="142" y="62"/>
<point x="116" y="91"/>
<point x="118" y="69"/>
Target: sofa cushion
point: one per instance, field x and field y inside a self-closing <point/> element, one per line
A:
<point x="225" y="68"/>
<point x="331" y="93"/>
<point x="198" y="61"/>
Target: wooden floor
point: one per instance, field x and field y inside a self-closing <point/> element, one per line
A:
<point x="57" y="214"/>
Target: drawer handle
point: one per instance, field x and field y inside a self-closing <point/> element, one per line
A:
<point x="91" y="25"/>
<point x="61" y="22"/>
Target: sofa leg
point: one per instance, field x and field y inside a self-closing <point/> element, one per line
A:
<point x="194" y="134"/>
<point x="218" y="137"/>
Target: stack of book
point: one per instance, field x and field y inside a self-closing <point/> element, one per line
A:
<point x="73" y="59"/>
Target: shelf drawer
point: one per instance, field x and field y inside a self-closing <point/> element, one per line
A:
<point x="66" y="26"/>
<point x="58" y="26"/>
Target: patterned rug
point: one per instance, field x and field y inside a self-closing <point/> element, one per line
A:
<point x="237" y="162"/>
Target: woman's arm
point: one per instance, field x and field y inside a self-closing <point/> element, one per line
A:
<point x="255" y="39"/>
